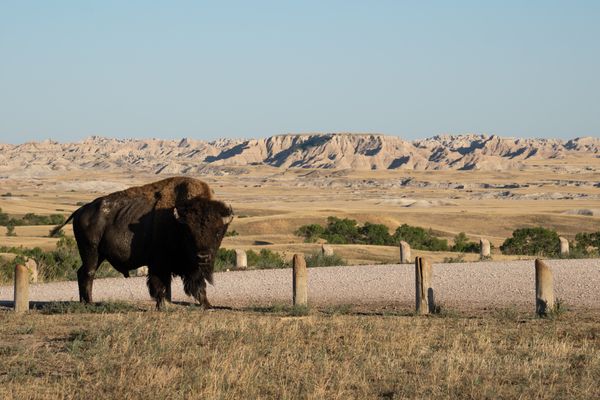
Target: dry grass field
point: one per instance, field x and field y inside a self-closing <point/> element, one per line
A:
<point x="72" y="352"/>
<point x="126" y="351"/>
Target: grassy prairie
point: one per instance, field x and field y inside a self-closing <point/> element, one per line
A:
<point x="121" y="351"/>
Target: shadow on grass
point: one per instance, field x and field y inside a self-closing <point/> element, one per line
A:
<point x="341" y="309"/>
<point x="75" y="307"/>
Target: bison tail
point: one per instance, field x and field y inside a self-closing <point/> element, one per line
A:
<point x="57" y="229"/>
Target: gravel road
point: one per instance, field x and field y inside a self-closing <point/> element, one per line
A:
<point x="462" y="286"/>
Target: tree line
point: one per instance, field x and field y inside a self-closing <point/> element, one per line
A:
<point x="537" y="241"/>
<point x="31" y="219"/>
<point x="348" y="231"/>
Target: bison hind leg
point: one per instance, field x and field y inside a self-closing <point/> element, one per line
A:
<point x="194" y="285"/>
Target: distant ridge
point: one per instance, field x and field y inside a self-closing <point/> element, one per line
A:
<point x="329" y="151"/>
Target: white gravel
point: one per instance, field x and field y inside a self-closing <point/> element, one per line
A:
<point x="462" y="286"/>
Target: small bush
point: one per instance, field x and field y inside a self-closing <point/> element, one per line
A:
<point x="10" y="230"/>
<point x="586" y="244"/>
<point x="321" y="260"/>
<point x="232" y="233"/>
<point x="225" y="260"/>
<point x="4" y="218"/>
<point x="59" y="264"/>
<point x="377" y="234"/>
<point x="265" y="259"/>
<point x="342" y="231"/>
<point x="532" y="241"/>
<point x="419" y="238"/>
<point x="463" y="245"/>
<point x="311" y="233"/>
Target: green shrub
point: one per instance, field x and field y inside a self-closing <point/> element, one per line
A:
<point x="7" y="268"/>
<point x="4" y="218"/>
<point x="225" y="260"/>
<point x="462" y="244"/>
<point x="265" y="259"/>
<point x="377" y="234"/>
<point x="342" y="231"/>
<point x="532" y="241"/>
<point x="59" y="264"/>
<point x="587" y="243"/>
<point x="31" y="219"/>
<point x="311" y="232"/>
<point x="318" y="259"/>
<point x="10" y="230"/>
<point x="419" y="238"/>
<point x="347" y="231"/>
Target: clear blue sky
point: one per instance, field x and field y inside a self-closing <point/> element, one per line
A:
<point x="70" y="69"/>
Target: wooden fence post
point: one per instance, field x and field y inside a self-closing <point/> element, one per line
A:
<point x="299" y="281"/>
<point x="425" y="303"/>
<point x="564" y="246"/>
<point x="241" y="259"/>
<point x="484" y="248"/>
<point x="404" y="252"/>
<point x="21" y="289"/>
<point x="544" y="289"/>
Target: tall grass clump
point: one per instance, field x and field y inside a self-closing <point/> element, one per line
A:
<point x="318" y="259"/>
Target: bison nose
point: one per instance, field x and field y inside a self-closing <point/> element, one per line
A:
<point x="203" y="258"/>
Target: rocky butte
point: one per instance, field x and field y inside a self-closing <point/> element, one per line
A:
<point x="325" y="151"/>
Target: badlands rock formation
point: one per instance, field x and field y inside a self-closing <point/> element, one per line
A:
<point x="331" y="151"/>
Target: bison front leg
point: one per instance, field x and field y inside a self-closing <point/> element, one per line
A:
<point x="159" y="286"/>
<point x="202" y="298"/>
<point x="196" y="286"/>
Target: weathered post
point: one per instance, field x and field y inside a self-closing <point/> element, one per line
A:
<point x="299" y="279"/>
<point x="241" y="259"/>
<point x="564" y="246"/>
<point x="21" y="289"/>
<point x="484" y="248"/>
<point x="326" y="250"/>
<point x="404" y="252"/>
<point x="425" y="303"/>
<point x="544" y="289"/>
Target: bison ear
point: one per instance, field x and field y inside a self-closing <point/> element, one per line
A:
<point x="177" y="216"/>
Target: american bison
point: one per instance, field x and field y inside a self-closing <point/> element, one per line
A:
<point x="174" y="226"/>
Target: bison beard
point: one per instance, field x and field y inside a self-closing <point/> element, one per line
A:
<point x="173" y="226"/>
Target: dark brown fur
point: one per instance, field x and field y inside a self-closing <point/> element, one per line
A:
<point x="139" y="226"/>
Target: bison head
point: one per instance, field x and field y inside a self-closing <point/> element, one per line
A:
<point x="204" y="223"/>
